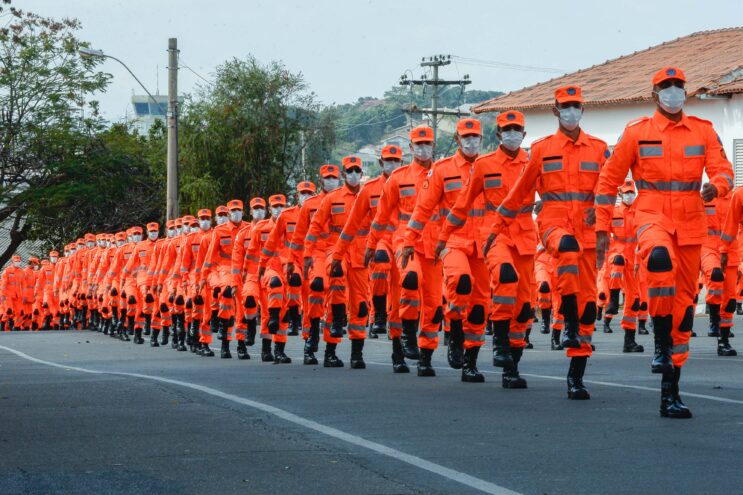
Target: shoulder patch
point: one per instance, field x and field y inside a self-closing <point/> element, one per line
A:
<point x="607" y="153"/>
<point x="693" y="117"/>
<point x="637" y="121"/>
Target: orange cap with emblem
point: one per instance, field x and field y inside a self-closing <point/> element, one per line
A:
<point x="350" y="162"/>
<point x="153" y="227"/>
<point x="235" y="204"/>
<point x="222" y="210"/>
<point x="421" y="134"/>
<point x="511" y="117"/>
<point x="569" y="93"/>
<point x="306" y="186"/>
<point x="204" y="213"/>
<point x="137" y="230"/>
<point x="628" y="186"/>
<point x="257" y="203"/>
<point x="469" y="126"/>
<point x="391" y="151"/>
<point x="277" y="200"/>
<point x="330" y="170"/>
<point x="668" y="73"/>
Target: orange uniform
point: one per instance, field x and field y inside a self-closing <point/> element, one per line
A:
<point x="720" y="281"/>
<point x="11" y="290"/>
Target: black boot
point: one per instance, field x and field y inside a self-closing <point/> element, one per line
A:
<point x="195" y="326"/>
<point x="555" y="344"/>
<point x="546" y="321"/>
<point x="424" y="363"/>
<point x="357" y="354"/>
<point x="410" y="339"/>
<point x="739" y="308"/>
<point x="153" y="338"/>
<point x="569" y="310"/>
<point x="252" y="329"/>
<point x="148" y="325"/>
<point x="242" y="350"/>
<point x="630" y="345"/>
<point x="599" y="313"/>
<point x="314" y="339"/>
<point x="295" y="321"/>
<point x="331" y="360"/>
<point x="470" y="373"/>
<point x="612" y="308"/>
<point x="455" y="350"/>
<point x="489" y="328"/>
<point x="279" y="356"/>
<point x="398" y="358"/>
<point x="206" y="351"/>
<point x="671" y="405"/>
<point x="225" y="351"/>
<point x="642" y="329"/>
<point x="166" y="335"/>
<point x="529" y="345"/>
<point x="714" y="320"/>
<point x="511" y="377"/>
<point x="138" y="336"/>
<point x="662" y="362"/>
<point x="309" y="356"/>
<point x="274" y="320"/>
<point x="181" y="333"/>
<point x="266" y="355"/>
<point x="339" y="318"/>
<point x="502" y="344"/>
<point x="607" y="325"/>
<point x="129" y="328"/>
<point x="380" y="316"/>
<point x="576" y="389"/>
<point x="723" y="343"/>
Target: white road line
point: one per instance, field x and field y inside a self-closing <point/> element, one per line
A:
<point x="451" y="474"/>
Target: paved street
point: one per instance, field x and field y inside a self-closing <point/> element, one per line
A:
<point x="186" y="424"/>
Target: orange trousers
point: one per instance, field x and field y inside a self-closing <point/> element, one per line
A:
<point x="467" y="292"/>
<point x="420" y="297"/>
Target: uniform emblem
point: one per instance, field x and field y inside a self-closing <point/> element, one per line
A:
<point x="469" y="124"/>
<point x="393" y="150"/>
<point x="425" y="184"/>
<point x="571" y="91"/>
<point x="671" y="72"/>
<point x="510" y="116"/>
<point x="421" y="133"/>
<point x="607" y="153"/>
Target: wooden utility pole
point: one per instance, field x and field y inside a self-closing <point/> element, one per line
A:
<point x="172" y="168"/>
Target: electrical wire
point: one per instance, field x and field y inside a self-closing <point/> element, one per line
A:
<point x="506" y="65"/>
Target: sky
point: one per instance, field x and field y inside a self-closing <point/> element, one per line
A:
<point x="352" y="48"/>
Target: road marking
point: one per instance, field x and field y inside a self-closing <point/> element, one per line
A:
<point x="451" y="474"/>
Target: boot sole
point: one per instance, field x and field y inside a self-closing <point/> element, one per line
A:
<point x="665" y="414"/>
<point x="480" y="379"/>
<point x="426" y="373"/>
<point x="633" y="350"/>
<point x="401" y="370"/>
<point x="579" y="396"/>
<point x="310" y="362"/>
<point x="517" y="386"/>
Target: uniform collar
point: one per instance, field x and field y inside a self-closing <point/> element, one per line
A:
<point x="663" y="122"/>
<point x="521" y="157"/>
<point x="563" y="139"/>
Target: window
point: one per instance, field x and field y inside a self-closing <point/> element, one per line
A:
<point x="159" y="109"/>
<point x="738" y="161"/>
<point x="141" y="108"/>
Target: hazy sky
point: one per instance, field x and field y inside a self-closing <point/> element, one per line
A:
<point x="347" y="49"/>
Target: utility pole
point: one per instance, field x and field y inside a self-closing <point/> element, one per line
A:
<point x="435" y="62"/>
<point x="172" y="168"/>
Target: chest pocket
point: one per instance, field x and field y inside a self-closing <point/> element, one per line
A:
<point x="650" y="155"/>
<point x="142" y="254"/>
<point x="589" y="174"/>
<point x="338" y="215"/>
<point x="264" y="236"/>
<point x="552" y="172"/>
<point x="407" y="197"/>
<point x="225" y="241"/>
<point x="694" y="160"/>
<point x="194" y="248"/>
<point x="290" y="227"/>
<point x="374" y="201"/>
<point x="452" y="184"/>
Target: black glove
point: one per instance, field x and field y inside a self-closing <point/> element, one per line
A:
<point x="199" y="300"/>
<point x="149" y="299"/>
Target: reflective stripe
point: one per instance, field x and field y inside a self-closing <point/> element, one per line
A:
<point x="311" y="238"/>
<point x="316" y="300"/>
<point x="290" y="228"/>
<point x="225" y="242"/>
<point x="429" y="335"/>
<point x="443" y="212"/>
<point x="726" y="322"/>
<point x="295" y="246"/>
<point x="394" y="324"/>
<point x="506" y="212"/>
<point x="694" y="150"/>
<point x="414" y="224"/>
<point x="362" y="233"/>
<point x="713" y="232"/>
<point x="551" y="166"/>
<point x="410" y="302"/>
<point x="517" y="335"/>
<point x="490" y="183"/>
<point x="586" y="339"/>
<point x="710" y="210"/>
<point x="679" y="348"/>
<point x="642" y="229"/>
<point x="589" y="166"/>
<point x="618" y="222"/>
<point x="714" y="292"/>
<point x="474" y="337"/>
<point x="377" y="226"/>
<point x="616" y="275"/>
<point x="453" y="185"/>
<point x="269" y="253"/>
<point x="476" y="212"/>
<point x="661" y="291"/>
<point x="504" y="300"/>
<point x="354" y="326"/>
<point x="490" y="206"/>
<point x="629" y="319"/>
<point x="454" y="307"/>
<point x="409" y="191"/>
<point x="673" y="185"/>
<point x="337" y="210"/>
<point x="374" y="202"/>
<point x="346" y="237"/>
<point x="454" y="220"/>
<point x="568" y="196"/>
<point x="648" y="151"/>
<point x="337" y="288"/>
<point x="403" y="216"/>
<point x="526" y="209"/>
<point x="729" y="179"/>
<point x="236" y="271"/>
<point x="272" y="297"/>
<point x="293" y="297"/>
<point x="336" y="230"/>
<point x="726" y="237"/>
<point x="379" y="276"/>
<point x="561" y="270"/>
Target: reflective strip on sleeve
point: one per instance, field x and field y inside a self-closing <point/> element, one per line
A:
<point x="506" y="212"/>
<point x="729" y="179"/>
<point x="376" y="226"/>
<point x="605" y="199"/>
<point x="346" y="237"/>
<point x="403" y="217"/>
<point x="362" y="233"/>
<point x="415" y="224"/>
<point x="674" y="185"/>
<point x="311" y="238"/>
<point x="714" y="233"/>
<point x="726" y="237"/>
<point x="454" y="220"/>
<point x="269" y="253"/>
<point x="477" y="212"/>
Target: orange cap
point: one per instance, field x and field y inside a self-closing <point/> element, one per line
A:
<point x="257" y="203"/>
<point x="136" y="229"/>
<point x="153" y="227"/>
<point x="81" y="242"/>
<point x="205" y="213"/>
<point x="90" y="237"/>
<point x="668" y="73"/>
<point x="329" y="170"/>
<point x="188" y="219"/>
<point x="306" y="186"/>
<point x="511" y="117"/>
<point x="54" y="253"/>
<point x="351" y="161"/>
<point x="421" y="133"/>
<point x="222" y="210"/>
<point x="33" y="260"/>
<point x="44" y="262"/>
<point x="569" y="93"/>
<point x="628" y="186"/>
<point x="170" y="224"/>
<point x="391" y="151"/>
<point x="193" y="221"/>
<point x="469" y="126"/>
<point x="178" y="222"/>
<point x="120" y="236"/>
<point x="235" y="204"/>
<point x="16" y="257"/>
<point x="277" y="200"/>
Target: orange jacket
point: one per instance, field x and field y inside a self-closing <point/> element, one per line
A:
<point x="258" y="238"/>
<point x="219" y="255"/>
<point x="306" y="213"/>
<point x="44" y="291"/>
<point x="327" y="224"/>
<point x="356" y="230"/>
<point x="730" y="215"/>
<point x="278" y="242"/>
<point x="564" y="174"/>
<point x="125" y="253"/>
<point x="396" y="208"/>
<point x="186" y="264"/>
<point x="137" y="268"/>
<point x="12" y="283"/>
<point x="29" y="284"/>
<point x="240" y="258"/>
<point x="493" y="176"/>
<point x="667" y="161"/>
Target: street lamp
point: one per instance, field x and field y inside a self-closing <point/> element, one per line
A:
<point x="91" y="53"/>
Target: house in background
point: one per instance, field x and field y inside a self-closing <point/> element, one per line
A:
<point x="619" y="91"/>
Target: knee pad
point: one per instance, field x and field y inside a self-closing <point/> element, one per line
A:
<point x="189" y="304"/>
<point x="410" y="282"/>
<point x="525" y="313"/>
<point x="507" y="274"/>
<point x="568" y="244"/>
<point x="589" y="313"/>
<point x="717" y="275"/>
<point x="250" y="302"/>
<point x="644" y="306"/>
<point x="618" y="260"/>
<point x="438" y="316"/>
<point x="730" y="306"/>
<point x="275" y="282"/>
<point x="476" y="315"/>
<point x="688" y="322"/>
<point x="636" y="304"/>
<point x="602" y="296"/>
<point x="149" y="299"/>
<point x="131" y="301"/>
<point x="336" y="272"/>
<point x="464" y="286"/>
<point x="317" y="284"/>
<point x="227" y="292"/>
<point x="163" y="308"/>
<point x="544" y="288"/>
<point x="295" y="280"/>
<point x="215" y="292"/>
<point x="179" y="300"/>
<point x="198" y="300"/>
<point x="381" y="256"/>
<point x="659" y="260"/>
<point x="363" y="309"/>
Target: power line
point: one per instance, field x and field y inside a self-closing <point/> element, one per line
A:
<point x="182" y="63"/>
<point x="506" y="65"/>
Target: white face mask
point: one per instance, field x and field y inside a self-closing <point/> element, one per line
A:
<point x="672" y="99"/>
<point x="120" y="243"/>
<point x="101" y="244"/>
<point x="258" y="213"/>
<point x="511" y="140"/>
<point x="628" y="198"/>
<point x="353" y="179"/>
<point x="389" y="166"/>
<point x="236" y="216"/>
<point x="171" y="232"/>
<point x="17" y="264"/>
<point x="152" y="236"/>
<point x="423" y="152"/>
<point x="276" y="211"/>
<point x="137" y="237"/>
<point x="330" y="183"/>
<point x="52" y="259"/>
<point x="178" y="230"/>
<point x="90" y="244"/>
<point x="570" y="117"/>
<point x="304" y="197"/>
<point x="470" y="145"/>
<point x="195" y="228"/>
<point x="205" y="224"/>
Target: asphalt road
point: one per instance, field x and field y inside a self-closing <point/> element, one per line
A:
<point x="82" y="413"/>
